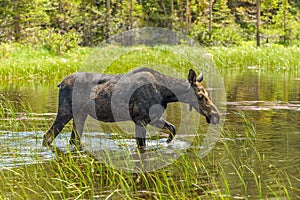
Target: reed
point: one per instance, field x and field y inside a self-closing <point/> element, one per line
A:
<point x="29" y="64"/>
<point x="268" y="58"/>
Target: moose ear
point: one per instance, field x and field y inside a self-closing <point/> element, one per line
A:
<point x="192" y="76"/>
<point x="200" y="77"/>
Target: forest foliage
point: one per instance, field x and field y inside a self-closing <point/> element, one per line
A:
<point x="60" y="25"/>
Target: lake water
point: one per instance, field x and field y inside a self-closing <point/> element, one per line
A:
<point x="271" y="102"/>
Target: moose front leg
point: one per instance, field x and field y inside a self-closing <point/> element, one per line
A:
<point x="163" y="124"/>
<point x="140" y="132"/>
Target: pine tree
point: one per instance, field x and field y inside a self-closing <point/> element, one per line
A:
<point x="224" y="29"/>
<point x="284" y="21"/>
<point x="268" y="9"/>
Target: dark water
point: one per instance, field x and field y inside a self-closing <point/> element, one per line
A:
<point x="271" y="102"/>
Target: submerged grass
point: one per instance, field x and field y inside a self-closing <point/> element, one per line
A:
<point x="17" y="115"/>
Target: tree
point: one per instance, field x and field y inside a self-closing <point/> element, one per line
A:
<point x="224" y="29"/>
<point x="283" y="21"/>
<point x="258" y="22"/>
<point x="279" y="22"/>
<point x="19" y="18"/>
<point x="268" y="9"/>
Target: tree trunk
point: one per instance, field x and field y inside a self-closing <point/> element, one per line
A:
<point x="258" y="23"/>
<point x="164" y="10"/>
<point x="187" y="17"/>
<point x="17" y="19"/>
<point x="107" y="19"/>
<point x="130" y="15"/>
<point x="172" y="13"/>
<point x="284" y="23"/>
<point x="210" y="19"/>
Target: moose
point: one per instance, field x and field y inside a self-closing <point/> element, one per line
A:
<point x="140" y="95"/>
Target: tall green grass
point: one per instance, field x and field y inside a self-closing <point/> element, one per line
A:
<point x="30" y="64"/>
<point x="17" y="115"/>
<point x="25" y="63"/>
<point x="268" y="58"/>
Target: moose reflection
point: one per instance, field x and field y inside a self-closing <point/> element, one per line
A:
<point x="141" y="96"/>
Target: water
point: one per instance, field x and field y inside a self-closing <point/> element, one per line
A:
<point x="271" y="102"/>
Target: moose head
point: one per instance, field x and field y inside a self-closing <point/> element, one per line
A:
<point x="203" y="103"/>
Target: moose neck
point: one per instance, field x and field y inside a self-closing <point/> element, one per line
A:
<point x="178" y="91"/>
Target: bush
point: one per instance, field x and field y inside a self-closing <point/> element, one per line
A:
<point x="54" y="42"/>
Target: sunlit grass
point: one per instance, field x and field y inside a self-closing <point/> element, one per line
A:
<point x="22" y="63"/>
<point x="268" y="58"/>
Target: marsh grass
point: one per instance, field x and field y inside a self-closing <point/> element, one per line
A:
<point x="31" y="64"/>
<point x="268" y="58"/>
<point x="27" y="63"/>
<point x="17" y="115"/>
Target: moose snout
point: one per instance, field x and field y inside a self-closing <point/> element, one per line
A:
<point x="215" y="117"/>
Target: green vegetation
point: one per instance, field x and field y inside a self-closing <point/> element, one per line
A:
<point x="18" y="62"/>
<point x="60" y="25"/>
<point x="269" y="58"/>
<point x="42" y="41"/>
<point x="31" y="64"/>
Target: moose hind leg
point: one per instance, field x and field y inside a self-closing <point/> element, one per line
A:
<point x="163" y="124"/>
<point x="78" y="125"/>
<point x="55" y="129"/>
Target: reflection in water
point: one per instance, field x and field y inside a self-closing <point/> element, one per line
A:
<point x="22" y="148"/>
<point x="265" y="105"/>
<point x="122" y="154"/>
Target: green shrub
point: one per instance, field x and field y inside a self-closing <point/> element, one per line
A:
<point x="55" y="42"/>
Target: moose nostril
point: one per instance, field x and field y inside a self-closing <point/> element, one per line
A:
<point x="215" y="117"/>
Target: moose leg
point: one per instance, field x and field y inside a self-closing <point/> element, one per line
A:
<point x="57" y="126"/>
<point x="163" y="124"/>
<point x="140" y="132"/>
<point x="78" y="125"/>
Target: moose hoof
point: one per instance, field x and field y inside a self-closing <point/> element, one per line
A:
<point x="171" y="127"/>
<point x="75" y="144"/>
<point x="46" y="141"/>
<point x="141" y="142"/>
<point x="76" y="148"/>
